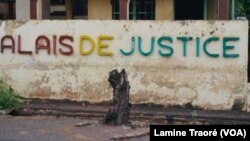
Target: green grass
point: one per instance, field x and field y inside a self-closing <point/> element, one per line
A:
<point x="194" y="116"/>
<point x="8" y="97"/>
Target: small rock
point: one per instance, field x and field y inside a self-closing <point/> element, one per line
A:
<point x="126" y="127"/>
<point x="169" y="118"/>
<point x="81" y="124"/>
<point x="5" y="112"/>
<point x="134" y="134"/>
<point x="83" y="104"/>
<point x="23" y="132"/>
<point x="138" y="124"/>
<point x="10" y="116"/>
<point x="41" y="111"/>
<point x="2" y="112"/>
<point x="82" y="137"/>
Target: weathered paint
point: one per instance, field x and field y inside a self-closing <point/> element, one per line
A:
<point x="164" y="9"/>
<point x="33" y="9"/>
<point x="23" y="10"/>
<point x="179" y="78"/>
<point x="213" y="10"/>
<point x="99" y="10"/>
<point x="123" y="7"/>
<point x="224" y="9"/>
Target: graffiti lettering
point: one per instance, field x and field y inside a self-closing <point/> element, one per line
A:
<point x="20" y="47"/>
<point x="164" y="45"/>
<point x="228" y="47"/>
<point x="63" y="41"/>
<point x="131" y="50"/>
<point x="5" y="45"/>
<point x="100" y="45"/>
<point x="184" y="42"/>
<point x="166" y="49"/>
<point x="209" y="40"/>
<point x="43" y="42"/>
<point x="163" y="39"/>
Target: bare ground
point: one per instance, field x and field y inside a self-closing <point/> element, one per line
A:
<point x="46" y="128"/>
<point x="53" y="120"/>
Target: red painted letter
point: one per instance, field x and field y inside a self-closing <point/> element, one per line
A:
<point x="70" y="50"/>
<point x="54" y="44"/>
<point x="11" y="46"/>
<point x="20" y="48"/>
<point x="42" y="42"/>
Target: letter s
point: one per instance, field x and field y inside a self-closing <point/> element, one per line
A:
<point x="160" y="43"/>
<point x="70" y="48"/>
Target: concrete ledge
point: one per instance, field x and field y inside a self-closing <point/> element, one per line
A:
<point x="152" y="113"/>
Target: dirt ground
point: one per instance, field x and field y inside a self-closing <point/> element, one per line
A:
<point x="46" y="128"/>
<point x="53" y="120"/>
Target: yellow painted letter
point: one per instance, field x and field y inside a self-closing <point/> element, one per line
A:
<point x="92" y="45"/>
<point x="101" y="46"/>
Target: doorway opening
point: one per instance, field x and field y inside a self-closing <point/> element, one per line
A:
<point x="189" y="9"/>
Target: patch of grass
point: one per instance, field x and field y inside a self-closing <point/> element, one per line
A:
<point x="8" y="97"/>
<point x="194" y="116"/>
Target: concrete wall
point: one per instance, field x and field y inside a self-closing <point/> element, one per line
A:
<point x="201" y="80"/>
<point x="23" y="10"/>
<point x="164" y="9"/>
<point x="212" y="6"/>
<point x="99" y="10"/>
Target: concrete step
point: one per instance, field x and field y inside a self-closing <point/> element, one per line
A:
<point x="151" y="113"/>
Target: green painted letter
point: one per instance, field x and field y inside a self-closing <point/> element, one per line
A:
<point x="184" y="41"/>
<point x="228" y="47"/>
<point x="160" y="43"/>
<point x="197" y="46"/>
<point x="132" y="48"/>
<point x="205" y="46"/>
<point x="151" y="47"/>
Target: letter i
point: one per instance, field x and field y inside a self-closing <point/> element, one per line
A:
<point x="197" y="47"/>
<point x="54" y="44"/>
